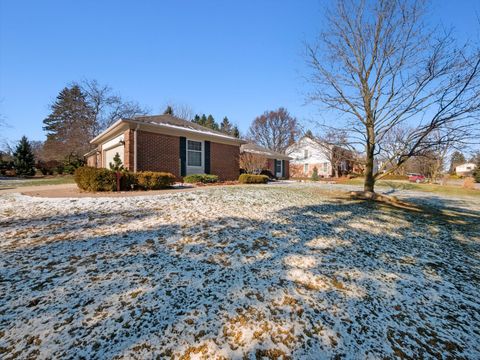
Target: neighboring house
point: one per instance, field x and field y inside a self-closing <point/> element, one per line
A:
<point x="308" y="153"/>
<point x="278" y="164"/>
<point x="167" y="143"/>
<point x="465" y="169"/>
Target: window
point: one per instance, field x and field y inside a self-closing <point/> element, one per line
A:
<point x="305" y="154"/>
<point x="325" y="167"/>
<point x="305" y="168"/>
<point x="278" y="166"/>
<point x="194" y="153"/>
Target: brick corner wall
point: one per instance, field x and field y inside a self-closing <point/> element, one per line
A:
<point x="224" y="161"/>
<point x="129" y="149"/>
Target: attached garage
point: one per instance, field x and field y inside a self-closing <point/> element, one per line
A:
<point x="109" y="154"/>
<point x="111" y="148"/>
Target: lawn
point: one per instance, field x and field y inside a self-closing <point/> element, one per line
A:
<point x="449" y="190"/>
<point x="19" y="182"/>
<point x="239" y="272"/>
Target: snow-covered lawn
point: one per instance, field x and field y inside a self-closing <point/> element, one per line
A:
<point x="234" y="272"/>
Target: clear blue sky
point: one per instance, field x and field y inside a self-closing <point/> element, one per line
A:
<point x="234" y="58"/>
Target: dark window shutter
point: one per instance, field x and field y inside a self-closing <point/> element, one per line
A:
<point x="207" y="157"/>
<point x="283" y="168"/>
<point x="183" y="156"/>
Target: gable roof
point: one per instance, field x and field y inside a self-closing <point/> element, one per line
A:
<point x="260" y="150"/>
<point x="166" y="123"/>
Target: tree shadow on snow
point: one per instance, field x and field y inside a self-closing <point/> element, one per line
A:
<point x="343" y="278"/>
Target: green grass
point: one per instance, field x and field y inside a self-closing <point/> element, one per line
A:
<point x="430" y="188"/>
<point x="57" y="180"/>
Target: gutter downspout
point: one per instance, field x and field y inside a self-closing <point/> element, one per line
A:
<point x="135" y="148"/>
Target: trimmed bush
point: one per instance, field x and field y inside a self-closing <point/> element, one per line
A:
<point x="200" y="178"/>
<point x="93" y="179"/>
<point x="252" y="179"/>
<point x="268" y="173"/>
<point x="150" y="180"/>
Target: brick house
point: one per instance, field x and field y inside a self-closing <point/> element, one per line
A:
<point x="277" y="164"/>
<point x="167" y="143"/>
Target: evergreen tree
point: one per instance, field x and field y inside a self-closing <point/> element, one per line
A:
<point x="70" y="126"/>
<point x="309" y="134"/>
<point x="210" y="123"/>
<point x="24" y="160"/>
<point x="226" y="126"/>
<point x="196" y="119"/>
<point x="235" y="132"/>
<point x="168" y="110"/>
<point x="457" y="159"/>
<point x="117" y="164"/>
<point x="315" y="174"/>
<point x="203" y="120"/>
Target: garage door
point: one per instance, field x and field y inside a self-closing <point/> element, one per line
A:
<point x="110" y="153"/>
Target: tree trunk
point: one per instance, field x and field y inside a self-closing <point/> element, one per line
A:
<point x="369" y="184"/>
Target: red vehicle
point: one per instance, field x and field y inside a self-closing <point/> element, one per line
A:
<point x="417" y="178"/>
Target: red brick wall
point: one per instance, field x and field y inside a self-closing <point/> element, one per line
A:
<point x="287" y="169"/>
<point x="271" y="166"/>
<point x="157" y="152"/>
<point x="224" y="161"/>
<point x="129" y="150"/>
<point x="92" y="160"/>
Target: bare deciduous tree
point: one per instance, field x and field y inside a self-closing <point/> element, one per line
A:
<point x="252" y="163"/>
<point x="182" y="111"/>
<point x="379" y="65"/>
<point x="107" y="106"/>
<point x="275" y="130"/>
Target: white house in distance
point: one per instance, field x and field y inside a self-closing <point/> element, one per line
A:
<point x="308" y="153"/>
<point x="465" y="169"/>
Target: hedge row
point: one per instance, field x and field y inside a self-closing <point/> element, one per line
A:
<point x="94" y="179"/>
<point x="252" y="179"/>
<point x="200" y="178"/>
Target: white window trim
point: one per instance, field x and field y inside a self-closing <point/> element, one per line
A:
<point x="196" y="169"/>
<point x="281" y="168"/>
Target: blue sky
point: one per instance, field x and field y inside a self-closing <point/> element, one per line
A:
<point x="234" y="58"/>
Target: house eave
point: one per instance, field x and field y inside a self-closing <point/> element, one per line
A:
<point x="124" y="124"/>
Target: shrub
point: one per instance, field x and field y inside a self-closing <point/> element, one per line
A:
<point x="93" y="179"/>
<point x="69" y="169"/>
<point x="252" y="179"/>
<point x="315" y="174"/>
<point x="6" y="167"/>
<point x="150" y="180"/>
<point x="476" y="175"/>
<point x="200" y="178"/>
<point x="267" y="173"/>
<point x="59" y="169"/>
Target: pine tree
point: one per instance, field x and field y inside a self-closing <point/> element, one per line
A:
<point x="196" y="119"/>
<point x="236" y="132"/>
<point x="203" y="120"/>
<point x="117" y="164"/>
<point x="315" y="174"/>
<point x="168" y="110"/>
<point x="70" y="126"/>
<point x="226" y="126"/>
<point x="24" y="160"/>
